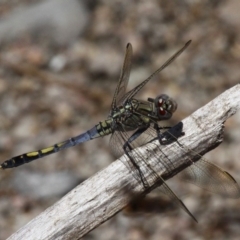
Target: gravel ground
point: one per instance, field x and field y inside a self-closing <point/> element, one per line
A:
<point x="58" y="71"/>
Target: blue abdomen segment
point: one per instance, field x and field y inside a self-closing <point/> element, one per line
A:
<point x="30" y="156"/>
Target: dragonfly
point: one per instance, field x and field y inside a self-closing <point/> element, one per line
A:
<point x="133" y="122"/>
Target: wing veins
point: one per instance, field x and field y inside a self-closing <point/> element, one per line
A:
<point x="124" y="77"/>
<point x="135" y="90"/>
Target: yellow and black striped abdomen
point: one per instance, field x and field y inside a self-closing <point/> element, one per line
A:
<point x="105" y="127"/>
<point x="30" y="156"/>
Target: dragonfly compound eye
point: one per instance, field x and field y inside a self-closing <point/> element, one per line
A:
<point x="171" y="105"/>
<point x="165" y="106"/>
<point x="161" y="106"/>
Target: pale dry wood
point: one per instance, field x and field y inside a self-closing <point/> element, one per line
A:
<point x="102" y="196"/>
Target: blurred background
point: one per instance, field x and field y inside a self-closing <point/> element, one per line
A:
<point x="59" y="65"/>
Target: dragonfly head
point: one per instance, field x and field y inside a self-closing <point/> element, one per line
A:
<point x="165" y="106"/>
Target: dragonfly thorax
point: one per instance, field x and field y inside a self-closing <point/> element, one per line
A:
<point x="131" y="115"/>
<point x="134" y="114"/>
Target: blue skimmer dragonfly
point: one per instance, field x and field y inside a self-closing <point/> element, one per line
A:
<point x="132" y="123"/>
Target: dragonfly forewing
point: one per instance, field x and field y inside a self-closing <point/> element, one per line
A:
<point x="124" y="77"/>
<point x="137" y="159"/>
<point x="201" y="173"/>
<point x="135" y="90"/>
<point x="211" y="178"/>
<point x="204" y="174"/>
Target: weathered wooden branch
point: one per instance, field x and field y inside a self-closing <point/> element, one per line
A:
<point x="102" y="196"/>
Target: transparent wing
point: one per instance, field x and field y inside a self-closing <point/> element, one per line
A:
<point x="117" y="141"/>
<point x="203" y="173"/>
<point x="119" y="138"/>
<point x="135" y="90"/>
<point x="212" y="178"/>
<point x="124" y="77"/>
<point x="164" y="188"/>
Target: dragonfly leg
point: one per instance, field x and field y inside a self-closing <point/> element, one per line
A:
<point x="127" y="147"/>
<point x="172" y="134"/>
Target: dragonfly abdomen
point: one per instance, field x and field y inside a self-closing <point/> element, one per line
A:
<point x="105" y="127"/>
<point x="30" y="156"/>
